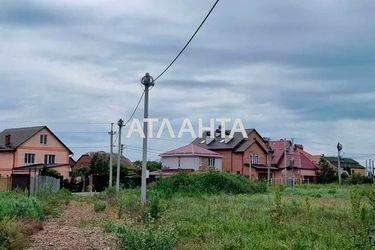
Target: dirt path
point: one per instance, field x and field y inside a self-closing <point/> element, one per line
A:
<point x="72" y="231"/>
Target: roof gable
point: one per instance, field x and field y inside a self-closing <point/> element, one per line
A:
<point x="190" y="150"/>
<point x="19" y="136"/>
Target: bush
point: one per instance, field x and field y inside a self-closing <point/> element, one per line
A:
<point x="209" y="182"/>
<point x="100" y="205"/>
<point x="359" y="179"/>
<point x="147" y="238"/>
<point x="11" y="234"/>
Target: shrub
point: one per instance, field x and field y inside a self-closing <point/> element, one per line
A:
<point x="359" y="179"/>
<point x="11" y="234"/>
<point x="209" y="182"/>
<point x="100" y="205"/>
<point x="153" y="209"/>
<point x="128" y="203"/>
<point x="147" y="238"/>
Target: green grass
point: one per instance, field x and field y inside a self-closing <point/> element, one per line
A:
<point x="17" y="210"/>
<point x="17" y="204"/>
<point x="304" y="217"/>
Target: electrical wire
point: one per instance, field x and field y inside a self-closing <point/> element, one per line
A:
<point x="187" y="44"/>
<point x="135" y="109"/>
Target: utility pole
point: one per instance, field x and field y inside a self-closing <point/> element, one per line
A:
<point x="285" y="162"/>
<point x="147" y="81"/>
<point x="292" y="161"/>
<point x="120" y="124"/>
<point x="269" y="159"/>
<point x="339" y="148"/>
<point x="111" y="133"/>
<point x="250" y="165"/>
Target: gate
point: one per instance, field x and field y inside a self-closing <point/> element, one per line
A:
<point x="4" y="184"/>
<point x="21" y="181"/>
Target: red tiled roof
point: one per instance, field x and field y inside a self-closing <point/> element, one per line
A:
<point x="302" y="159"/>
<point x="191" y="150"/>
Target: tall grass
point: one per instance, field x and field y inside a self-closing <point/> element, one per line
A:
<point x="17" y="204"/>
<point x="208" y="183"/>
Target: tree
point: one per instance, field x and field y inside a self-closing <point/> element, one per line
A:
<point x="50" y="172"/>
<point x="151" y="165"/>
<point x="99" y="164"/>
<point x="327" y="173"/>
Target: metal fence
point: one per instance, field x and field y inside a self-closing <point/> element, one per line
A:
<point x="289" y="181"/>
<point x="44" y="183"/>
<point x="4" y="184"/>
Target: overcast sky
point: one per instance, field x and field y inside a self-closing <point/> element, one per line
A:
<point x="301" y="69"/>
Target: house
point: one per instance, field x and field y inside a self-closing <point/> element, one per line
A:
<point x="97" y="182"/>
<point x="191" y="157"/>
<point x="239" y="152"/>
<point x="293" y="162"/>
<point x="85" y="160"/>
<point x="349" y="165"/>
<point x="27" y="149"/>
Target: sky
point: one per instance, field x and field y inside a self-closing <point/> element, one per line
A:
<point x="290" y="69"/>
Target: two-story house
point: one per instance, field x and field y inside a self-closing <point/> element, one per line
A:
<point x="239" y="153"/>
<point x="293" y="162"/>
<point x="22" y="149"/>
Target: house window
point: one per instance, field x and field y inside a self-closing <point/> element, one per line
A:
<point x="211" y="162"/>
<point x="7" y="140"/>
<point x="29" y="158"/>
<point x="49" y="159"/>
<point x="254" y="159"/>
<point x="43" y="139"/>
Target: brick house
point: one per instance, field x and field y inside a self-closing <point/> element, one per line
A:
<point x="23" y="149"/>
<point x="85" y="160"/>
<point x="299" y="164"/>
<point x="239" y="152"/>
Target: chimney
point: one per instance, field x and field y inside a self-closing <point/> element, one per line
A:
<point x="218" y="131"/>
<point x="7" y="140"/>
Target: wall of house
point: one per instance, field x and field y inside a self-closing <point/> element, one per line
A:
<point x="254" y="149"/>
<point x="256" y="137"/>
<point x="226" y="160"/>
<point x="204" y="163"/>
<point x="237" y="163"/>
<point x="6" y="163"/>
<point x="186" y="162"/>
<point x="358" y="171"/>
<point x="34" y="146"/>
<point x="305" y="172"/>
<point x="64" y="171"/>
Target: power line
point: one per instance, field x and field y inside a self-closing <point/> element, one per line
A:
<point x="187" y="44"/>
<point x="135" y="109"/>
<point x="55" y="122"/>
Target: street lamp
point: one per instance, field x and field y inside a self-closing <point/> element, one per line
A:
<point x="339" y="148"/>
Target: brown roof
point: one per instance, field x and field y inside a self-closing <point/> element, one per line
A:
<point x="85" y="160"/>
<point x="20" y="135"/>
<point x="191" y="150"/>
<point x="238" y="142"/>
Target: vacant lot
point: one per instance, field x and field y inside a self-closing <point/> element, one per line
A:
<point x="187" y="213"/>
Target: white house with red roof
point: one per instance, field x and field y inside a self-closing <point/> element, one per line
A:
<point x="191" y="157"/>
<point x="293" y="162"/>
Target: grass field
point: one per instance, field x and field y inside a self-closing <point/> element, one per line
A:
<point x="304" y="217"/>
<point x="236" y="216"/>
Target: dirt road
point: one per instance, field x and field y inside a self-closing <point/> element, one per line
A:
<point x="73" y="230"/>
